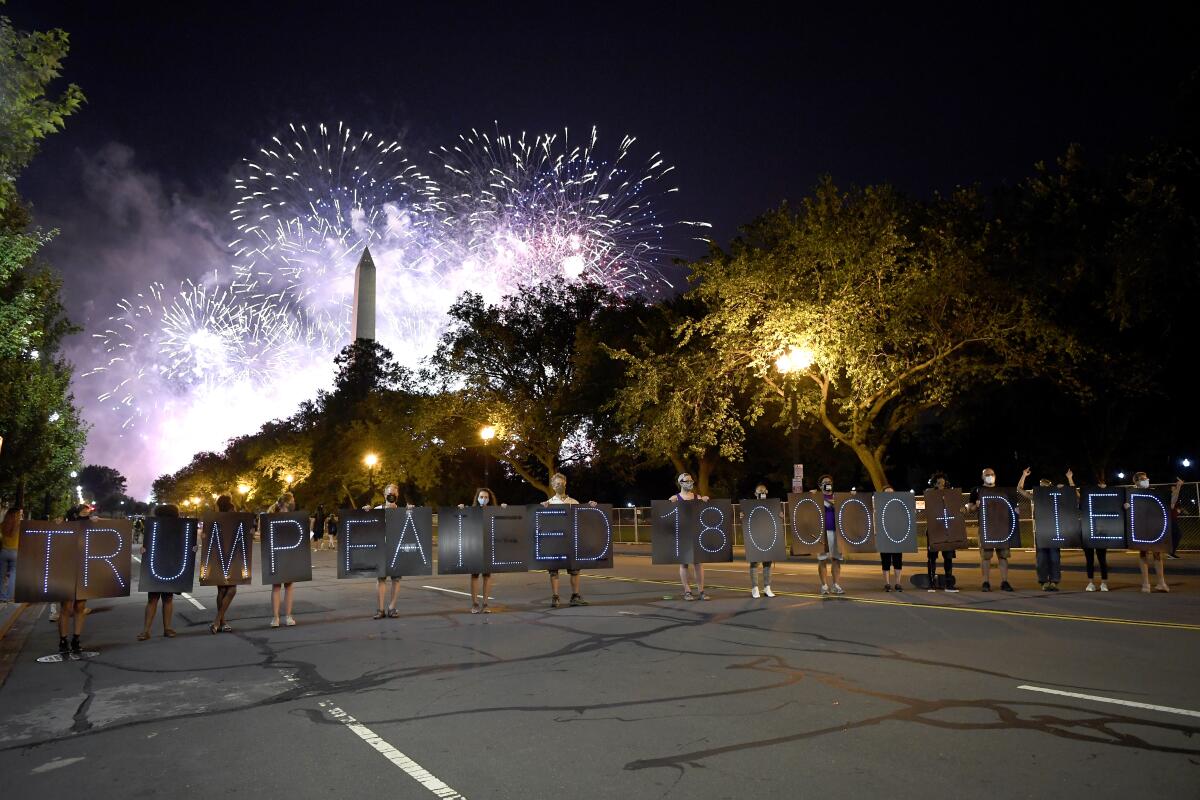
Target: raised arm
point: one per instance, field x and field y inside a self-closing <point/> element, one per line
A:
<point x="1021" y="490"/>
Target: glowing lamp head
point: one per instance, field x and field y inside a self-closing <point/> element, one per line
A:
<point x="289" y="479"/>
<point x="1187" y="462"/>
<point x="243" y="488"/>
<point x="487" y="433"/>
<point x="371" y="460"/>
<point x="795" y="359"/>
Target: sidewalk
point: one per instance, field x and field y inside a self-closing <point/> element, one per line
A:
<point x="1120" y="562"/>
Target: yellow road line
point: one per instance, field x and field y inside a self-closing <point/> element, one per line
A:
<point x="1184" y="626"/>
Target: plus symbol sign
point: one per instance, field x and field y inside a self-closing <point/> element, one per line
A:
<point x="945" y="518"/>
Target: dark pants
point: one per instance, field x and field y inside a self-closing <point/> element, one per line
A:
<point x="947" y="565"/>
<point x="1049" y="565"/>
<point x="892" y="561"/>
<point x="1096" y="553"/>
<point x="1176" y="535"/>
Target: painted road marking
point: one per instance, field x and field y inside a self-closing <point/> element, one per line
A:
<point x="847" y="598"/>
<point x="452" y="591"/>
<point x="410" y="767"/>
<point x="186" y="596"/>
<point x="1097" y="698"/>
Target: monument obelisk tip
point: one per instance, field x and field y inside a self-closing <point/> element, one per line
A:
<point x="362" y="326"/>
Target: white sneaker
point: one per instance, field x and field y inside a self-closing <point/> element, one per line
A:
<point x="1104" y="586"/>
<point x="767" y="591"/>
<point x="288" y="621"/>
<point x="754" y="592"/>
<point x="824" y="589"/>
<point x="1091" y="587"/>
<point x="838" y="590"/>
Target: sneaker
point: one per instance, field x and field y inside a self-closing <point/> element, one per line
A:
<point x="1053" y="586"/>
<point x="1162" y="587"/>
<point x="63" y="648"/>
<point x="1046" y="586"/>
<point x="932" y="587"/>
<point x="824" y="589"/>
<point x="952" y="589"/>
<point x="704" y="595"/>
<point x="754" y="592"/>
<point x="887" y="587"/>
<point x="688" y="596"/>
<point x="987" y="587"/>
<point x="899" y="588"/>
<point x="289" y="621"/>
<point x="76" y="647"/>
<point x="54" y="616"/>
<point x="1104" y="586"/>
<point x="767" y="591"/>
<point x="393" y="613"/>
<point x="1091" y="587"/>
<point x="1146" y="588"/>
<point x="474" y="608"/>
<point x="838" y="589"/>
<point x="1005" y="586"/>
<point x="554" y="601"/>
<point x="577" y="600"/>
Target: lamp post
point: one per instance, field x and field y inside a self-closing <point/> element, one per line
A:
<point x="486" y="433"/>
<point x="371" y="461"/>
<point x="795" y="359"/>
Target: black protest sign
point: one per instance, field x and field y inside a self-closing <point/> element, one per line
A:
<point x="670" y="539"/>
<point x="1056" y="521"/>
<point x="224" y="557"/>
<point x="105" y="559"/>
<point x="806" y="513"/>
<point x="46" y="569"/>
<point x="361" y="551"/>
<point x="1102" y="517"/>
<point x="550" y="536"/>
<point x="591" y="529"/>
<point x="169" y="563"/>
<point x="713" y="529"/>
<point x="944" y="524"/>
<point x="409" y="539"/>
<point x="284" y="549"/>
<point x="1149" y="520"/>
<point x="855" y="532"/>
<point x="763" y="530"/>
<point x="895" y="516"/>
<point x="505" y="539"/>
<point x="460" y="541"/>
<point x="999" y="521"/>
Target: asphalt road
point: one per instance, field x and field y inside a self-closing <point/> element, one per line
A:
<point x="872" y="695"/>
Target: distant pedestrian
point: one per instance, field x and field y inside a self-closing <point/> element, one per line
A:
<point x="286" y="504"/>
<point x="10" y="540"/>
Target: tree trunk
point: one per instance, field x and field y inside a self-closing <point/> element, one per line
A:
<point x="708" y="463"/>
<point x="873" y="461"/>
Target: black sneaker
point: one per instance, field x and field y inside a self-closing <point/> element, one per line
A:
<point x="887" y="587"/>
<point x="554" y="601"/>
<point x="1053" y="586"/>
<point x="63" y="648"/>
<point x="1006" y="586"/>
<point x="899" y="588"/>
<point x="577" y="600"/>
<point x="987" y="587"/>
<point x="76" y="647"/>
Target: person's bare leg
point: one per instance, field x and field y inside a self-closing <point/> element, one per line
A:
<point x="275" y="590"/>
<point x="553" y="584"/>
<point x="1003" y="569"/>
<point x="168" y="611"/>
<point x="821" y="572"/>
<point x="985" y="566"/>
<point x="287" y="599"/>
<point x="380" y="591"/>
<point x="700" y="576"/>
<point x="683" y="578"/>
<point x="225" y="602"/>
<point x="1160" y="567"/>
<point x="574" y="584"/>
<point x="1144" y="565"/>
<point x="64" y="618"/>
<point x="837" y="571"/>
<point x="487" y="588"/>
<point x="395" y="593"/>
<point x="151" y="610"/>
<point x="80" y="613"/>
<point x="474" y="591"/>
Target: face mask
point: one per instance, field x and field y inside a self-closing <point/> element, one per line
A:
<point x="1144" y="483"/>
<point x="761" y="495"/>
<point x="686" y="485"/>
<point x="391" y="498"/>
<point x="559" y="487"/>
<point x="989" y="480"/>
<point x="482" y="499"/>
<point x="826" y="487"/>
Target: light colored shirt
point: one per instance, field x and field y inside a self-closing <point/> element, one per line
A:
<point x="562" y="501"/>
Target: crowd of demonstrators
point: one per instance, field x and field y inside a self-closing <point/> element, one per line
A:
<point x="687" y="486"/>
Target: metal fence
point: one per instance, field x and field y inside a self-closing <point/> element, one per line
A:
<point x="632" y="525"/>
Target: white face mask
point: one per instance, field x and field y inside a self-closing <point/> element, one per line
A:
<point x="761" y="495"/>
<point x="686" y="486"/>
<point x="482" y="499"/>
<point x="989" y="480"/>
<point x="1144" y="483"/>
<point x="826" y="487"/>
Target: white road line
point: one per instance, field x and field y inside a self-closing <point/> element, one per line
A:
<point x="452" y="591"/>
<point x="412" y="768"/>
<point x="1132" y="704"/>
<point x="186" y="596"/>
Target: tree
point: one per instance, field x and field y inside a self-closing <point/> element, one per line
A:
<point x="886" y="306"/>
<point x="529" y="367"/>
<point x="103" y="485"/>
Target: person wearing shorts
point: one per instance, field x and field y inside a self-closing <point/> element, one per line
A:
<point x="558" y="482"/>
<point x="760" y="493"/>
<point x="893" y="563"/>
<point x="686" y="485"/>
<point x="483" y="497"/>
<point x="391" y="499"/>
<point x="833" y="554"/>
<point x="985" y="553"/>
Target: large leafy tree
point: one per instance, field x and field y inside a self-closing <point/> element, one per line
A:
<point x="886" y="307"/>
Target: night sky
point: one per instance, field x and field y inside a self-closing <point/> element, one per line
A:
<point x="752" y="105"/>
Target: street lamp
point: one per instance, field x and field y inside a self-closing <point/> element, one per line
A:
<point x="289" y="479"/>
<point x="243" y="489"/>
<point x="795" y="359"/>
<point x="486" y="433"/>
<point x="1185" y="463"/>
<point x="371" y="461"/>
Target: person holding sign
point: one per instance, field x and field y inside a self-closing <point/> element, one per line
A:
<point x="483" y="498"/>
<point x="225" y="594"/>
<point x="391" y="499"/>
<point x="1049" y="559"/>
<point x="286" y="504"/>
<point x="686" y="485"/>
<point x="832" y="551"/>
<point x="152" y="598"/>
<point x="1093" y="554"/>
<point x="558" y="482"/>
<point x="939" y="482"/>
<point x="893" y="564"/>
<point x="985" y="553"/>
<point x="760" y="493"/>
<point x="1142" y="481"/>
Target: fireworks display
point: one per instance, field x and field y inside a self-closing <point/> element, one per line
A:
<point x="493" y="213"/>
